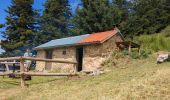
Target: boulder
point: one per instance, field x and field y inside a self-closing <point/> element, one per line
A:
<point x="162" y="58"/>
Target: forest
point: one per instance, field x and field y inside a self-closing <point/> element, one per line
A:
<point x="27" y="27"/>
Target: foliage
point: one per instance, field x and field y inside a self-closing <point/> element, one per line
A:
<point x="166" y="31"/>
<point x="55" y="20"/>
<point x="1" y="25"/>
<point x="147" y="17"/>
<point x="154" y="42"/>
<point x="20" y="25"/>
<point x="95" y="16"/>
<point x="140" y="79"/>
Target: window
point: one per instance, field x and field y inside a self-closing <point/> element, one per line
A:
<point x="49" y="54"/>
<point x="64" y="52"/>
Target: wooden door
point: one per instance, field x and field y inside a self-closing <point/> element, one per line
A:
<point x="49" y="54"/>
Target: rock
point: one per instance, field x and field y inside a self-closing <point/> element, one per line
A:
<point x="96" y="72"/>
<point x="162" y="58"/>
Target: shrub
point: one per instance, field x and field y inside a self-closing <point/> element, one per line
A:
<point x="166" y="31"/>
<point x="154" y="42"/>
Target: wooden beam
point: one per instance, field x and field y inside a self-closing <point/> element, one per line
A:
<point x="22" y="71"/>
<point x="39" y="74"/>
<point x="36" y="59"/>
<point x="130" y="45"/>
<point x="10" y="58"/>
<point x="49" y="60"/>
<point x="5" y="73"/>
<point x="49" y="74"/>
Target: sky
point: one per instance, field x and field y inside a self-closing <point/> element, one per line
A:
<point x="38" y="4"/>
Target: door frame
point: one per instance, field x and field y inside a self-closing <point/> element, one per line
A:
<point x="48" y="55"/>
<point x="79" y="58"/>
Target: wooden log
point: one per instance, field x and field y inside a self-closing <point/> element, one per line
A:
<point x="130" y="47"/>
<point x="9" y="62"/>
<point x="48" y="74"/>
<point x="22" y="71"/>
<point x="10" y="58"/>
<point x="5" y="73"/>
<point x="49" y="60"/>
<point x="36" y="59"/>
<point x="75" y="68"/>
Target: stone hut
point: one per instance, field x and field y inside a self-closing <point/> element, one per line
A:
<point x="89" y="50"/>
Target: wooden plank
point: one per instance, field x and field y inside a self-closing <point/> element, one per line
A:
<point x="9" y="62"/>
<point x="10" y="58"/>
<point x="5" y="73"/>
<point x="49" y="60"/>
<point x="37" y="59"/>
<point x="39" y="74"/>
<point x="49" y="74"/>
<point x="130" y="48"/>
<point x="22" y="71"/>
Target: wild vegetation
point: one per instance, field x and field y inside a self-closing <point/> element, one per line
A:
<point x="135" y="76"/>
<point x="132" y="79"/>
<point x="25" y="26"/>
<point x="155" y="42"/>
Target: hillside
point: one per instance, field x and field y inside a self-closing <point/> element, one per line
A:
<point x="135" y="79"/>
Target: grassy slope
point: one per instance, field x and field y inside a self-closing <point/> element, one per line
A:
<point x="140" y="79"/>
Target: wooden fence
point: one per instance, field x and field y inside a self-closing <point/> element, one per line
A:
<point x="22" y="72"/>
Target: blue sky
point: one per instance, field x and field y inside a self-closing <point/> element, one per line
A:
<point x="38" y="4"/>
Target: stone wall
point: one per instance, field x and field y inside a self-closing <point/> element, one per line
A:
<point x="69" y="56"/>
<point x="94" y="55"/>
<point x="58" y="54"/>
<point x="40" y="66"/>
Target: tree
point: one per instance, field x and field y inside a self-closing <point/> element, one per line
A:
<point x="55" y="19"/>
<point x="148" y="17"/>
<point x="20" y="25"/>
<point x="95" y="16"/>
<point x="123" y="6"/>
<point x="1" y="25"/>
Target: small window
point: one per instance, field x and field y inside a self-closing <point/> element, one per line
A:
<point x="49" y="54"/>
<point x="64" y="52"/>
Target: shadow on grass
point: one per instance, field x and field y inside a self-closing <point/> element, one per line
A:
<point x="36" y="81"/>
<point x="11" y="82"/>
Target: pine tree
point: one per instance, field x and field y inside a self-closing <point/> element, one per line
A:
<point x="123" y="6"/>
<point x="20" y="24"/>
<point x="95" y="16"/>
<point x="1" y="25"/>
<point x="55" y="19"/>
<point x="148" y="17"/>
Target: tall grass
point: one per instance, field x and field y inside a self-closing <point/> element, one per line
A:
<point x="154" y="42"/>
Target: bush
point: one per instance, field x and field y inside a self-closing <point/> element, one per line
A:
<point x="166" y="31"/>
<point x="154" y="42"/>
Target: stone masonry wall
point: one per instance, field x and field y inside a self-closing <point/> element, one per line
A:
<point x="69" y="56"/>
<point x="94" y="55"/>
<point x="39" y="64"/>
<point x="58" y="54"/>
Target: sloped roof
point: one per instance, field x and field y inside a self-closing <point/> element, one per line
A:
<point x="98" y="37"/>
<point x="79" y="40"/>
<point x="62" y="42"/>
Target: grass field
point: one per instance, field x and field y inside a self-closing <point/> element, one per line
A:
<point x="135" y="80"/>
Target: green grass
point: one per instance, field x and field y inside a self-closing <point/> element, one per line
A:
<point x="133" y="80"/>
<point x="154" y="42"/>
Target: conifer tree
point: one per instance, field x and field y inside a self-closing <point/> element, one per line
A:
<point x="55" y="20"/>
<point x="95" y="16"/>
<point x="147" y="17"/>
<point x="20" y="24"/>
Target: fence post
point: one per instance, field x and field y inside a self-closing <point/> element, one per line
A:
<point x="75" y="68"/>
<point x="22" y="72"/>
